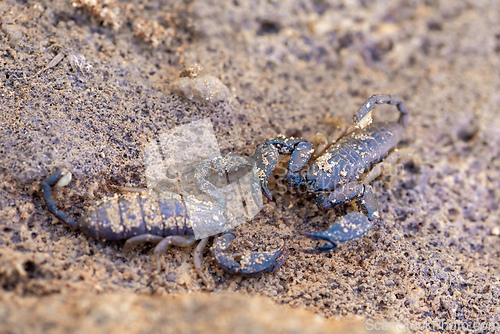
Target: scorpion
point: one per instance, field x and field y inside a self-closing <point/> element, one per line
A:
<point x="343" y="172"/>
<point x="167" y="221"/>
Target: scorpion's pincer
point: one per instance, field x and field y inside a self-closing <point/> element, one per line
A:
<point x="348" y="227"/>
<point x="251" y="265"/>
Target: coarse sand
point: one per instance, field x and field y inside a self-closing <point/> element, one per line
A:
<point x="87" y="85"/>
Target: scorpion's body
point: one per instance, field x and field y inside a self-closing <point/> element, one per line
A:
<point x="343" y="172"/>
<point x="170" y="219"/>
<point x="124" y="216"/>
<point x="353" y="155"/>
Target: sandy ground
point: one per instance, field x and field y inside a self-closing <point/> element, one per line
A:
<point x="85" y="85"/>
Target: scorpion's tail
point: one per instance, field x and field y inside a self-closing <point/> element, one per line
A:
<point x="363" y="116"/>
<point x="49" y="201"/>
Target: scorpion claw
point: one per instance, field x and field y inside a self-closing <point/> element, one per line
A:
<point x="251" y="265"/>
<point x="266" y="191"/>
<point x="266" y="158"/>
<point x="348" y="227"/>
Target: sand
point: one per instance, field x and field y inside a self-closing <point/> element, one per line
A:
<point x="86" y="86"/>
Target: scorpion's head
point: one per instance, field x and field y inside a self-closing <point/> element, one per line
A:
<point x="318" y="179"/>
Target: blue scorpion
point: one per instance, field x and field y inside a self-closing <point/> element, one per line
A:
<point x="140" y="218"/>
<point x="343" y="172"/>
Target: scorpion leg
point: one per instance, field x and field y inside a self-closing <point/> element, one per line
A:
<point x="266" y="158"/>
<point x="138" y="240"/>
<point x="389" y="163"/>
<point x="198" y="260"/>
<point x="363" y="116"/>
<point x="324" y="141"/>
<point x="164" y="243"/>
<point x="174" y="240"/>
<point x="251" y="265"/>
